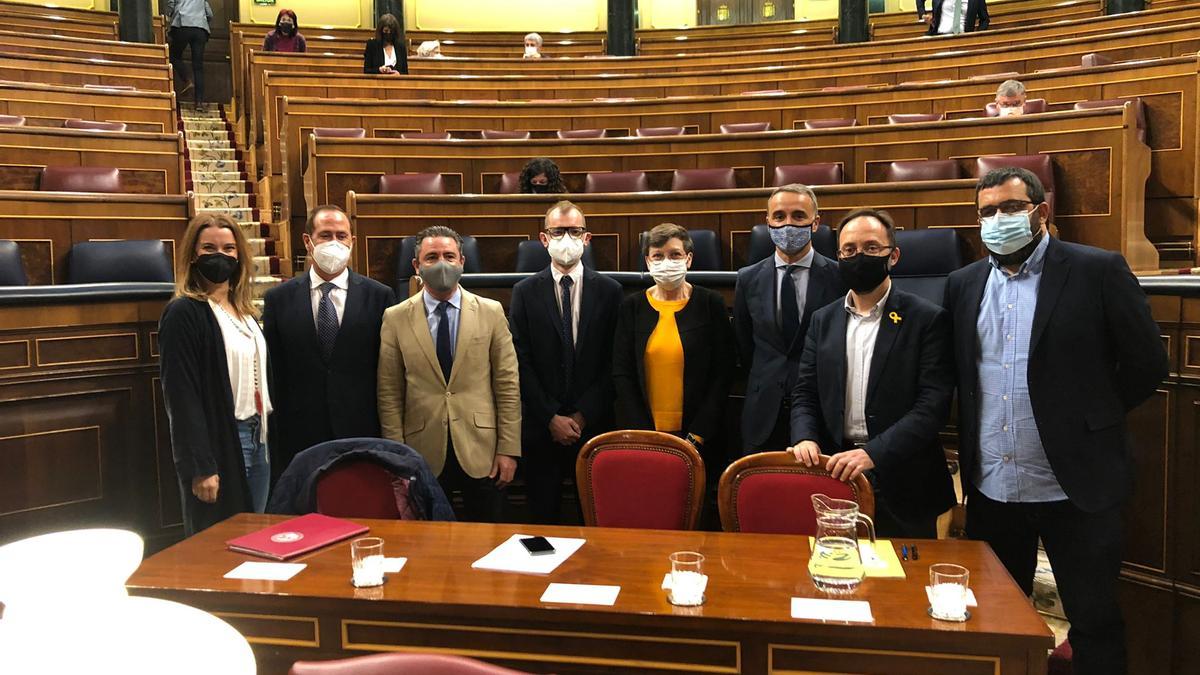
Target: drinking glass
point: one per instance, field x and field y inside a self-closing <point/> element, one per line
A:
<point x="687" y="579"/>
<point x="366" y="559"/>
<point x="948" y="592"/>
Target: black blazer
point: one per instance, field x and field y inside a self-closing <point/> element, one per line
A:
<point x="1095" y="353"/>
<point x="977" y="15"/>
<point x="909" y="389"/>
<point x="535" y="324"/>
<point x="708" y="351"/>
<point x="317" y="401"/>
<point x="770" y="364"/>
<point x="373" y="56"/>
<point x="199" y="404"/>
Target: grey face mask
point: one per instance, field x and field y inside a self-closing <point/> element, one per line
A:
<point x="441" y="276"/>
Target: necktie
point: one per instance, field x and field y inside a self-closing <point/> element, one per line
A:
<point x="789" y="308"/>
<point x="567" y="329"/>
<point x="445" y="356"/>
<point x="956" y="26"/>
<point x="327" y="321"/>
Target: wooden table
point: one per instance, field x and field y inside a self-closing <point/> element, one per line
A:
<point x="438" y="603"/>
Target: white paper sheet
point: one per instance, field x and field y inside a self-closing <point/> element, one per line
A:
<point x="819" y="609"/>
<point x="265" y="571"/>
<point x="970" y="596"/>
<point x="511" y="556"/>
<point x="581" y="594"/>
<point x="393" y="565"/>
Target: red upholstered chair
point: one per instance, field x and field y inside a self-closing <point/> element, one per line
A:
<point x="499" y="135"/>
<point x="910" y="118"/>
<point x="616" y="181"/>
<point x="921" y="169"/>
<point x="703" y="179"/>
<point x="658" y="131"/>
<point x="80" y="179"/>
<point x="831" y="123"/>
<point x="1139" y="110"/>
<point x="12" y="121"/>
<point x="92" y="125"/>
<point x="340" y="132"/>
<point x="641" y="479"/>
<point x="426" y="135"/>
<point x="401" y="664"/>
<point x="770" y="493"/>
<point x="510" y="183"/>
<point x="745" y="127"/>
<point x="1094" y="60"/>
<point x="1032" y="106"/>
<point x="1040" y="165"/>
<point x="412" y="184"/>
<point x="567" y="134"/>
<point x="822" y="173"/>
<point x="1060" y="661"/>
<point x="358" y="489"/>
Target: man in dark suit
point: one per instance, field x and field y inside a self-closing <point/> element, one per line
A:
<point x="772" y="305"/>
<point x="875" y="385"/>
<point x="562" y="326"/>
<point x="949" y="17"/>
<point x="1054" y="344"/>
<point x="322" y="331"/>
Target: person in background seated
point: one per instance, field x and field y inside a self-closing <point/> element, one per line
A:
<point x="448" y="380"/>
<point x="286" y="37"/>
<point x="950" y="17"/>
<point x="875" y="385"/>
<point x="673" y="352"/>
<point x="562" y="319"/>
<point x="213" y="366"/>
<point x="430" y="49"/>
<point x="387" y="52"/>
<point x="188" y="28"/>
<point x="533" y="46"/>
<point x="541" y="176"/>
<point x="1010" y="98"/>
<point x="322" y="331"/>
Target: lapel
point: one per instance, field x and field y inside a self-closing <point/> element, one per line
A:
<point x="834" y="354"/>
<point x="1055" y="270"/>
<point x="418" y="323"/>
<point x="468" y="327"/>
<point x="814" y="293"/>
<point x="587" y="308"/>
<point x="967" y="313"/>
<point x="307" y="328"/>
<point x="763" y="293"/>
<point x="889" y="328"/>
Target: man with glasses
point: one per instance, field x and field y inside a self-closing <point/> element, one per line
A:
<point x="1054" y="344"/>
<point x="875" y="384"/>
<point x="562" y="322"/>
<point x="774" y="300"/>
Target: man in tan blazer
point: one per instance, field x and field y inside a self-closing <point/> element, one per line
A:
<point x="448" y="380"/>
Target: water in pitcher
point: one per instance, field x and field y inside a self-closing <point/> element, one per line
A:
<point x="836" y="565"/>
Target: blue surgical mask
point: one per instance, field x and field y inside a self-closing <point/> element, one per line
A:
<point x="791" y="239"/>
<point x="1004" y="233"/>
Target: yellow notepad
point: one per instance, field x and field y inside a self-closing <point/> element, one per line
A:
<point x="879" y="559"/>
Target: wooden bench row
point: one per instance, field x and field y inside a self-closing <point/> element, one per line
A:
<point x="150" y="163"/>
<point x="48" y="105"/>
<point x="95" y="72"/>
<point x="73" y="19"/>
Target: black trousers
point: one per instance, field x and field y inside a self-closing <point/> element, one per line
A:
<point x="483" y="502"/>
<point x="546" y="464"/>
<point x="195" y="38"/>
<point x="1085" y="551"/>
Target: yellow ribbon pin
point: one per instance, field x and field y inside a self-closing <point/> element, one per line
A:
<point x="896" y="318"/>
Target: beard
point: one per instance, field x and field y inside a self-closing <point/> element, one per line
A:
<point x="1020" y="255"/>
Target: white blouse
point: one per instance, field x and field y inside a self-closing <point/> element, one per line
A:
<point x="389" y="56"/>
<point x="246" y="356"/>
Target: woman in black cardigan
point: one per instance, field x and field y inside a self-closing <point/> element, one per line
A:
<point x="646" y="389"/>
<point x="220" y="460"/>
<point x="387" y="52"/>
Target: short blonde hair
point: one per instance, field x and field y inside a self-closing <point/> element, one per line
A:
<point x="189" y="283"/>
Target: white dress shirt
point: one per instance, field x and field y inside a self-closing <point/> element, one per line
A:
<point x="946" y="20"/>
<point x="576" y="275"/>
<point x="861" y="331"/>
<point x="452" y="314"/>
<point x="246" y="358"/>
<point x="799" y="277"/>
<point x="337" y="296"/>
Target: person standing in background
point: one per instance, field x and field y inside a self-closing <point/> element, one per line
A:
<point x="188" y="28"/>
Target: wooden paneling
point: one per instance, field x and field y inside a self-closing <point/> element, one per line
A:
<point x="149" y="163"/>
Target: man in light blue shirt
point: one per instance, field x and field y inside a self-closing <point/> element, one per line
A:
<point x="188" y="22"/>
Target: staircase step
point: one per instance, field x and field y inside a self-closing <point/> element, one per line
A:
<point x="221" y="186"/>
<point x="199" y="165"/>
<point x="265" y="266"/>
<point x="264" y="284"/>
<point x="229" y="200"/>
<point x="217" y="142"/>
<point x="238" y="214"/>
<point x="221" y="135"/>
<point x="260" y="246"/>
<point x="226" y="154"/>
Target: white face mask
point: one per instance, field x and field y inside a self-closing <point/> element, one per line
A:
<point x="1011" y="111"/>
<point x="668" y="273"/>
<point x="331" y="256"/>
<point x="566" y="250"/>
<point x="531" y="50"/>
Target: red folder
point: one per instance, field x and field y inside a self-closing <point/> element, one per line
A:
<point x="296" y="536"/>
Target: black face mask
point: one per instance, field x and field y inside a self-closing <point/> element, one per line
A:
<point x="862" y="272"/>
<point x="539" y="189"/>
<point x="217" y="268"/>
<point x="287" y="28"/>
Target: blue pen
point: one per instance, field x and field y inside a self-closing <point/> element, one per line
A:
<point x="903" y="552"/>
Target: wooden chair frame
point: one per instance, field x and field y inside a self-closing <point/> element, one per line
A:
<point x="652" y="441"/>
<point x="778" y="462"/>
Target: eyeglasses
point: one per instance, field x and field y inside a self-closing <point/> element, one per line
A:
<point x="849" y="251"/>
<point x="1009" y="208"/>
<point x="558" y="232"/>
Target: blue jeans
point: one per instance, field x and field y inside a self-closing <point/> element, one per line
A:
<point x="258" y="465"/>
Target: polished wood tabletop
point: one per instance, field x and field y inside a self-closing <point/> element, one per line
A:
<point x="752" y="579"/>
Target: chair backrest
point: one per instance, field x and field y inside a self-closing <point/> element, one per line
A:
<point x="358" y="489"/>
<point x="408" y="250"/>
<point x="658" y="131"/>
<point x="745" y="127"/>
<point x="580" y="133"/>
<point x="339" y="132"/>
<point x="830" y="123"/>
<point x="935" y="251"/>
<point x="770" y="493"/>
<point x="1032" y="106"/>
<point x="703" y="179"/>
<point x="510" y="183"/>
<point x="706" y="251"/>
<point x="921" y="169"/>
<point x="426" y="135"/>
<point x="909" y="118"/>
<point x="824" y="241"/>
<point x="1139" y="110"/>
<point x="80" y="179"/>
<point x="640" y="479"/>
<point x="93" y="125"/>
<point x="401" y="664"/>
<point x="12" y="271"/>
<point x="763" y="92"/>
<point x="821" y="173"/>
<point x="12" y="120"/>
<point x="616" y="181"/>
<point x="501" y="135"/>
<point x="532" y="257"/>
<point x="1040" y="165"/>
<point x="412" y="184"/>
<point x="1094" y="60"/>
<point x="97" y="262"/>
